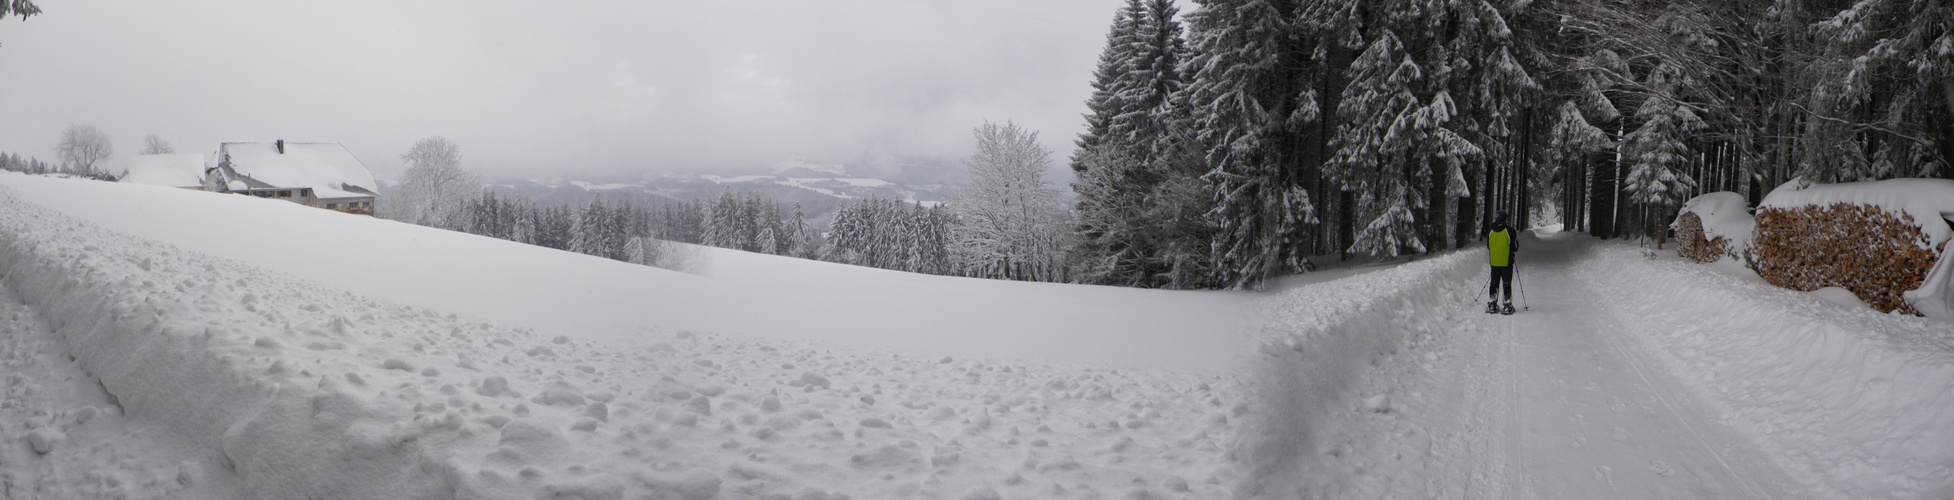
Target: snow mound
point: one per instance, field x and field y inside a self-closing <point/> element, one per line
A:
<point x="1319" y="352"/>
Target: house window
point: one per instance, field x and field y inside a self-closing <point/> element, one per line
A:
<point x="284" y="194"/>
<point x="332" y="205"/>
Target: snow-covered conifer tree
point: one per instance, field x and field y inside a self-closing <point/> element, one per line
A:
<point x="1249" y="92"/>
<point x="1114" y="61"/>
<point x="802" y="241"/>
<point x="1657" y="151"/>
<point x="1380" y="115"/>
<point x="1145" y="143"/>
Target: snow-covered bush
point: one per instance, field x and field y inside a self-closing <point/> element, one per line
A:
<point x="1885" y="241"/>
<point x="1714" y="226"/>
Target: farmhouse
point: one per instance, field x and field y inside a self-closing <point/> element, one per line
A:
<point x="317" y="174"/>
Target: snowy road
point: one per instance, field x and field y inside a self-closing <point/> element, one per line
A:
<point x="1583" y="411"/>
<point x="1559" y="401"/>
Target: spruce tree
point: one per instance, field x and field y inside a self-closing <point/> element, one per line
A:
<point x="1247" y="89"/>
<point x="1380" y="120"/>
<point x="1114" y="62"/>
<point x="1121" y="236"/>
<point x="1657" y="152"/>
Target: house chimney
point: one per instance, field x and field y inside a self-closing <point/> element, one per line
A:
<point x="281" y="146"/>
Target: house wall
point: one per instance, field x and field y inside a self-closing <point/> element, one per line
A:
<point x="362" y="205"/>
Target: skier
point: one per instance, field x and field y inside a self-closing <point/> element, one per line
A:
<point x="1500" y="245"/>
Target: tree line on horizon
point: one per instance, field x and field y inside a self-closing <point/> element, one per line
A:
<point x="1005" y="224"/>
<point x="1312" y="129"/>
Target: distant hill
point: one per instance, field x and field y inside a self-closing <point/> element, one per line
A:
<point x="818" y="188"/>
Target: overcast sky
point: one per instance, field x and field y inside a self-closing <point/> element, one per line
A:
<point x="538" y="88"/>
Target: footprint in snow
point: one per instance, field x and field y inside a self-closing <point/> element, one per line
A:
<point x="1661" y="468"/>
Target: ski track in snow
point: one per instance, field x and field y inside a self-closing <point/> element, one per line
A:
<point x="137" y="369"/>
<point x="1596" y="391"/>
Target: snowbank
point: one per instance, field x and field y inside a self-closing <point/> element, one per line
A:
<point x="1320" y="342"/>
<point x="1858" y="398"/>
<point x="201" y="356"/>
<point x="1929" y="203"/>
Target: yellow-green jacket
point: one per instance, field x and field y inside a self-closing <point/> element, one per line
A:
<point x="1500" y="245"/>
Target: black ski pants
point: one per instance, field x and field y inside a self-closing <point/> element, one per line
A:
<point x="1502" y="278"/>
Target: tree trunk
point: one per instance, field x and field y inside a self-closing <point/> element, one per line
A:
<point x="1346" y="223"/>
<point x="1488" y="191"/>
<point x="1522" y="214"/>
<point x="1601" y="200"/>
<point x="1434" y="225"/>
<point x="1462" y="232"/>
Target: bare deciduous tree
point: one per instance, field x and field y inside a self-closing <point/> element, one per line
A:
<point x="435" y="191"/>
<point x="83" y="147"/>
<point x="1008" y="223"/>
<point x="155" y="145"/>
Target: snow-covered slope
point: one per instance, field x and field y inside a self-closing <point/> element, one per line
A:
<point x="288" y="352"/>
<point x="559" y="293"/>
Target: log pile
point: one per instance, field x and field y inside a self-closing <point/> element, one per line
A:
<point x="1690" y="243"/>
<point x="1856" y="247"/>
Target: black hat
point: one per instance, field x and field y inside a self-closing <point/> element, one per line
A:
<point x="1500" y="217"/>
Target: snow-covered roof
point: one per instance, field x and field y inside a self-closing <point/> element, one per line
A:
<point x="326" y="167"/>
<point x="173" y="170"/>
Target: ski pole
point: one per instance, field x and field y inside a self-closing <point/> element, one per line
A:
<point x="1523" y="285"/>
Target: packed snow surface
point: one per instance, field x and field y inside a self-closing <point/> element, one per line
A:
<point x="1624" y="376"/>
<point x="145" y="361"/>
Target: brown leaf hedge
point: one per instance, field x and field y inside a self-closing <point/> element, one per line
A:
<point x="1856" y="247"/>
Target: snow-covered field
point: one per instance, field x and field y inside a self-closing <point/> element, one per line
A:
<point x="292" y="352"/>
<point x="164" y="343"/>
